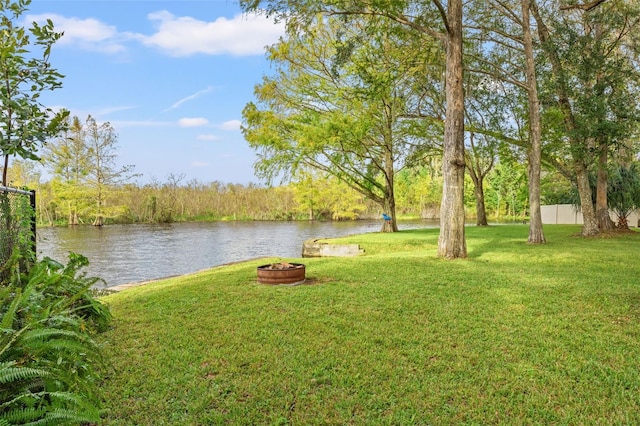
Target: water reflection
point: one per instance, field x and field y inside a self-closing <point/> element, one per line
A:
<point x="129" y="253"/>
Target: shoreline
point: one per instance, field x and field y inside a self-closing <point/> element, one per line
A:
<point x="121" y="287"/>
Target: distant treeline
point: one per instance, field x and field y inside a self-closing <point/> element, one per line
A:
<point x="418" y="193"/>
<point x="173" y="201"/>
<point x="88" y="186"/>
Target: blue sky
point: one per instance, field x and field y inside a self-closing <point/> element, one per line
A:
<point x="171" y="77"/>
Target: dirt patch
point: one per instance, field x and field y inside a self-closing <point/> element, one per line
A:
<point x="316" y="281"/>
<point x="614" y="233"/>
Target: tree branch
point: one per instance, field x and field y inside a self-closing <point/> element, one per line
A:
<point x="507" y="12"/>
<point x="586" y="7"/>
<point x="443" y="15"/>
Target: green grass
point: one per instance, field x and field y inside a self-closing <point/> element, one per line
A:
<point x="516" y="334"/>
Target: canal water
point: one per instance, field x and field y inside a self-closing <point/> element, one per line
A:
<point x="122" y="254"/>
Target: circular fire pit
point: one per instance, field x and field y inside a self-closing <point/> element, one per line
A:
<point x="281" y="273"/>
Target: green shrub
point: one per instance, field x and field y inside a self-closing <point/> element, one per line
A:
<point x="48" y="356"/>
<point x="15" y="234"/>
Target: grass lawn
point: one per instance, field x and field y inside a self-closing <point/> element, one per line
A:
<point x="516" y="334"/>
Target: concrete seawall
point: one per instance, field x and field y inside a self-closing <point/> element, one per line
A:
<point x="313" y="248"/>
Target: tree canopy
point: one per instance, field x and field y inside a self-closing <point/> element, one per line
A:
<point x="26" y="72"/>
<point x="340" y="106"/>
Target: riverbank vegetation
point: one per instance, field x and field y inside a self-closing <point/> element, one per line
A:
<point x="516" y="334"/>
<point x="418" y="191"/>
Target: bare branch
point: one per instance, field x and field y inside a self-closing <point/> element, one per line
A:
<point x="586" y="7"/>
<point x="402" y="19"/>
<point x="443" y="14"/>
<point x="507" y="12"/>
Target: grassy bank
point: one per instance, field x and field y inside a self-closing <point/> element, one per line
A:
<point x="517" y="334"/>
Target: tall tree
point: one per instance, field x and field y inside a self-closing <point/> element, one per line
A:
<point x="434" y="19"/>
<point x="502" y="33"/>
<point x="536" y="234"/>
<point x="480" y="159"/>
<point x="103" y="171"/>
<point x="68" y="159"/>
<point x="485" y="111"/>
<point x="25" y="73"/>
<point x="337" y="106"/>
<point x="322" y="196"/>
<point x="592" y="71"/>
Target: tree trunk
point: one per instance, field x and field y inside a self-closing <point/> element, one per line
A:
<point x="451" y="241"/>
<point x="536" y="234"/>
<point x="478" y="192"/>
<point x="602" y="206"/>
<point x="390" y="209"/>
<point x="389" y="198"/>
<point x="590" y="225"/>
<point x="73" y="218"/>
<point x="481" y="210"/>
<point x="99" y="221"/>
<point x="477" y="177"/>
<point x="5" y="168"/>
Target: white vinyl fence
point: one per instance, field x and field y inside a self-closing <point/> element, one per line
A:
<point x="569" y="214"/>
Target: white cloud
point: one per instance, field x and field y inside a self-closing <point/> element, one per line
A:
<point x="88" y="34"/>
<point x="231" y="125"/>
<point x="208" y="137"/>
<point x="244" y="34"/>
<point x="200" y="164"/>
<point x="193" y="122"/>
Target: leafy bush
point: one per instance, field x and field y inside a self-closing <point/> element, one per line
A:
<point x="15" y="233"/>
<point x="623" y="192"/>
<point x="48" y="357"/>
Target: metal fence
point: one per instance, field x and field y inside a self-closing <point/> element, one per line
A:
<point x="17" y="225"/>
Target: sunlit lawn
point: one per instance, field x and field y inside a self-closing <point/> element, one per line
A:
<point x="516" y="334"/>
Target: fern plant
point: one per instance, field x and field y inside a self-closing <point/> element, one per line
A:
<point x="48" y="356"/>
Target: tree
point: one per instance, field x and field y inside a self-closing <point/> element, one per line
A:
<point x="82" y="160"/>
<point x="25" y="123"/>
<point x="68" y="157"/>
<point x="505" y="54"/>
<point x="536" y="235"/>
<point x="419" y="189"/>
<point x="24" y="174"/>
<point x="485" y="111"/>
<point x="592" y="73"/>
<point x="480" y="160"/>
<point x="337" y="106"/>
<point x="507" y="187"/>
<point x="432" y="19"/>
<point x="103" y="173"/>
<point x="624" y="192"/>
<point x="321" y="196"/>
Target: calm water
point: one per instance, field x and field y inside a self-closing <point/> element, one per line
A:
<point x="129" y="253"/>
